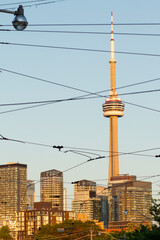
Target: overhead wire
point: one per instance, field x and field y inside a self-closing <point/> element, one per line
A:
<point x="78" y="89"/>
<point x="43" y="103"/>
<point x="70" y="99"/>
<point x="82" y="24"/>
<point x="140" y="106"/>
<point x="22" y="2"/>
<point x="62" y="85"/>
<point x="43" y="3"/>
<point x="79" y="49"/>
<point x="85" y="32"/>
<point x="88" y="24"/>
<point x="78" y="150"/>
<point x="56" y="101"/>
<point x="31" y="3"/>
<point x="48" y="81"/>
<point x="140" y="92"/>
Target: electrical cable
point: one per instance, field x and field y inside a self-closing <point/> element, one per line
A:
<point x="135" y="84"/>
<point x="32" y="3"/>
<point x="75" y="166"/>
<point x="43" y="80"/>
<point x="140" y="92"/>
<point x="21" y="3"/>
<point x="79" y="49"/>
<point x="62" y="85"/>
<point x="137" y="105"/>
<point x="47" y="81"/>
<point x="85" y="32"/>
<point x="43" y="3"/>
<point x="87" y="24"/>
<point x="39" y="105"/>
<point x="72" y="149"/>
<point x="50" y="82"/>
<point x="92" y="24"/>
<point x="77" y="98"/>
<point x="76" y="148"/>
<point x="69" y="99"/>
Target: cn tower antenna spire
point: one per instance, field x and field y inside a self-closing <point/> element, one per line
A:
<point x="113" y="108"/>
<point x="112" y="39"/>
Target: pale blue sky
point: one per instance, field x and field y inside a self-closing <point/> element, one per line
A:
<point x="80" y="123"/>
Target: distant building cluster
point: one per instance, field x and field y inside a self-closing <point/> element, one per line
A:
<point x="125" y="200"/>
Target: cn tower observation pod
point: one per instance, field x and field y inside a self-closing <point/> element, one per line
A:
<point x="113" y="107"/>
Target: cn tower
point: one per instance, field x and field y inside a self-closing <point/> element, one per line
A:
<point x="113" y="108"/>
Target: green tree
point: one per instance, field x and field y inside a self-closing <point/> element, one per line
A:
<point x="155" y="211"/>
<point x="5" y="233"/>
<point x="144" y="233"/>
<point x="72" y="230"/>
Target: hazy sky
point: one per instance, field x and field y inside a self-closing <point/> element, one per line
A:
<point x="80" y="123"/>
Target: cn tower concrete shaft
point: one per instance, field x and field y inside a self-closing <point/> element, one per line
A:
<point x="113" y="147"/>
<point x="113" y="108"/>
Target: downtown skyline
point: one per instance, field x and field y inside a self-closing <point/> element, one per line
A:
<point x="80" y="123"/>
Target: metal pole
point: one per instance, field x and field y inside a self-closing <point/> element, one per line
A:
<point x="91" y="234"/>
<point x="7" y="11"/>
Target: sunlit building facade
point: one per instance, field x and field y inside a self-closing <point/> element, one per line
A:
<point x="129" y="201"/>
<point x="87" y="204"/>
<point x="13" y="180"/>
<point x="52" y="188"/>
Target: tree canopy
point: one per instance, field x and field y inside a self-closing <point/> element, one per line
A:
<point x="68" y="229"/>
<point x="5" y="233"/>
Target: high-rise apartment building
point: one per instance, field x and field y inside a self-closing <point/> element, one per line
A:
<point x="91" y="208"/>
<point x="129" y="201"/>
<point x="87" y="203"/>
<point x="52" y="188"/>
<point x="84" y="190"/>
<point x="13" y="182"/>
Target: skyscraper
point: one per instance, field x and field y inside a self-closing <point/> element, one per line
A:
<point x="52" y="188"/>
<point x="129" y="199"/>
<point x="87" y="205"/>
<point x="113" y="108"/>
<point x="13" y="182"/>
<point x="85" y="202"/>
<point x="84" y="190"/>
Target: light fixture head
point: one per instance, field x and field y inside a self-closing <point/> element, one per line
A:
<point x="19" y="22"/>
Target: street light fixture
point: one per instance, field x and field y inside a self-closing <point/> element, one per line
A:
<point x="19" y="22"/>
